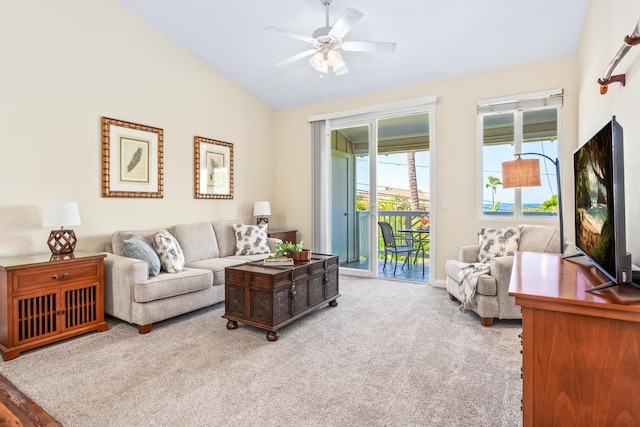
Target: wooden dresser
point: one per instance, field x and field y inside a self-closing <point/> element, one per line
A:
<point x="284" y="235"/>
<point x="581" y="350"/>
<point x="44" y="300"/>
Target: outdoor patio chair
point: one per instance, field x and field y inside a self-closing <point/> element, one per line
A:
<point x="396" y="245"/>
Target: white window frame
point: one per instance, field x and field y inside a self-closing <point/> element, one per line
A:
<point x="510" y="104"/>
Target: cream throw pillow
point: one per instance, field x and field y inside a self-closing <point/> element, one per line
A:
<point x="251" y="239"/>
<point x="169" y="251"/>
<point x="498" y="242"/>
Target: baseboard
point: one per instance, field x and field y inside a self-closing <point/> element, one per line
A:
<point x="439" y="284"/>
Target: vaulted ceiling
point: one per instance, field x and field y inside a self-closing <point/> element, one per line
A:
<point x="435" y="40"/>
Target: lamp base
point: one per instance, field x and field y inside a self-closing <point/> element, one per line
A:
<point x="260" y="221"/>
<point x="62" y="241"/>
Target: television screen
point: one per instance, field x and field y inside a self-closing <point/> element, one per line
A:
<point x="599" y="203"/>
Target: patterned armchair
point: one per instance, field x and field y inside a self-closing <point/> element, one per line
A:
<point x="487" y="294"/>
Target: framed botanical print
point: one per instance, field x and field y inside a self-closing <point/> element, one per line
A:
<point x="132" y="160"/>
<point x="213" y="169"/>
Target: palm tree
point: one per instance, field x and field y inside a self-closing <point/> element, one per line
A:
<point x="413" y="181"/>
<point x="493" y="184"/>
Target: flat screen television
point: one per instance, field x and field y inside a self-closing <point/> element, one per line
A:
<point x="598" y="167"/>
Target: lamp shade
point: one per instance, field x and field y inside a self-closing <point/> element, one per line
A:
<point x="61" y="214"/>
<point x="261" y="209"/>
<point x="521" y="173"/>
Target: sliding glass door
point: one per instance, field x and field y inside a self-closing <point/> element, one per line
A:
<point x="371" y="164"/>
<point x="394" y="188"/>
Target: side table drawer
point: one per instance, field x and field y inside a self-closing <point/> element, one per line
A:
<point x="54" y="276"/>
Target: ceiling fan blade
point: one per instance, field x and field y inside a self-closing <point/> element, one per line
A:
<point x="291" y="34"/>
<point x="374" y="47"/>
<point x="346" y="21"/>
<point x="294" y="58"/>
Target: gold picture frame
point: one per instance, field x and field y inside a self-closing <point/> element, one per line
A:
<point x="132" y="160"/>
<point x="213" y="169"/>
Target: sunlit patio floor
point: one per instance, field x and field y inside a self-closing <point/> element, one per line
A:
<point x="413" y="273"/>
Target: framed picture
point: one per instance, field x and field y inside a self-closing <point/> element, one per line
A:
<point x="131" y="160"/>
<point x="213" y="169"/>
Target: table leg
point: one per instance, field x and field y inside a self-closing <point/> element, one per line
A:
<point x="272" y="336"/>
<point x="232" y="324"/>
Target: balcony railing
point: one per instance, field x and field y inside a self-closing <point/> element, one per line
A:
<point x="398" y="219"/>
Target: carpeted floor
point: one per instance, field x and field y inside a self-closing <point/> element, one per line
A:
<point x="390" y="354"/>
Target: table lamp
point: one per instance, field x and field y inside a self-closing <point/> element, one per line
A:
<point x="261" y="210"/>
<point x="61" y="214"/>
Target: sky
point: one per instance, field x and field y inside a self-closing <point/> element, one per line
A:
<point x="392" y="171"/>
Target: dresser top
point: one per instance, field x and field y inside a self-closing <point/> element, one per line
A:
<point x="45" y="258"/>
<point x="544" y="279"/>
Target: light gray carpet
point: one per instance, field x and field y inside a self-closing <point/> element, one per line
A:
<point x="390" y="354"/>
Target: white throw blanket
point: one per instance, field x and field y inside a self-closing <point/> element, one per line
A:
<point x="468" y="282"/>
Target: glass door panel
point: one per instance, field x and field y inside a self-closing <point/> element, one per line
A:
<point x="350" y="235"/>
<point x="403" y="194"/>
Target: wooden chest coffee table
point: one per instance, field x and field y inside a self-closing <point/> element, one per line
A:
<point x="273" y="296"/>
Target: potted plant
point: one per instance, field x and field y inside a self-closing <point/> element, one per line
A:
<point x="292" y="250"/>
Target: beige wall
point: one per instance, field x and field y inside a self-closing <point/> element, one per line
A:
<point x="606" y="26"/>
<point x="69" y="62"/>
<point x="456" y="145"/>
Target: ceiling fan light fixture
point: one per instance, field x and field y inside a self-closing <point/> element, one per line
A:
<point x="319" y="62"/>
<point x="334" y="58"/>
<point x="327" y="40"/>
<point x="340" y="68"/>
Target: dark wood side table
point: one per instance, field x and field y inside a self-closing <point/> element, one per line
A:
<point x="284" y="235"/>
<point x="44" y="300"/>
<point x="580" y="349"/>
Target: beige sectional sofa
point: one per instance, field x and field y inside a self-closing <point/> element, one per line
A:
<point x="134" y="296"/>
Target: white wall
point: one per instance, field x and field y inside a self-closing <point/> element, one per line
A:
<point x="67" y="63"/>
<point x="607" y="23"/>
<point x="456" y="145"/>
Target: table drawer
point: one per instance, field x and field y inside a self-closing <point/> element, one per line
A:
<point x="54" y="275"/>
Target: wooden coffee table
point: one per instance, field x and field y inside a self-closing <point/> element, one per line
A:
<point x="273" y="296"/>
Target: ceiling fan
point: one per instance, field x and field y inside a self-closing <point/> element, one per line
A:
<point x="327" y="40"/>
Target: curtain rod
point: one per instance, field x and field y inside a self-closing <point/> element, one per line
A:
<point x="629" y="41"/>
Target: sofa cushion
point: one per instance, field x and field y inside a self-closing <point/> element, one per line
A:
<point x="539" y="238"/>
<point x="217" y="266"/>
<point x="225" y="236"/>
<point x="138" y="247"/>
<point x="251" y="239"/>
<point x="118" y="238"/>
<point x="166" y="285"/>
<point x="169" y="251"/>
<point x="497" y="242"/>
<point x="197" y="241"/>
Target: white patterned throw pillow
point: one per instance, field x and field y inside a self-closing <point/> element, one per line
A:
<point x="498" y="242"/>
<point x="169" y="251"/>
<point x="251" y="239"/>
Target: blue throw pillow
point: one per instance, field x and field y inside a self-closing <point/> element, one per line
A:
<point x="137" y="247"/>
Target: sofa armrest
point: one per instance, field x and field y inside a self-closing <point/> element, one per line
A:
<point x="120" y="276"/>
<point x="500" y="268"/>
<point x="468" y="254"/>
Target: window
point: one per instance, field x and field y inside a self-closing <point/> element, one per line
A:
<point x="519" y="125"/>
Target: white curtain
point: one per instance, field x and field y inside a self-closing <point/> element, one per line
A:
<point x="321" y="175"/>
